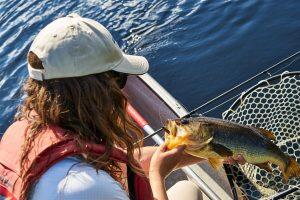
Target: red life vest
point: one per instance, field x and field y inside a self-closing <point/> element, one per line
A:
<point x="51" y="146"/>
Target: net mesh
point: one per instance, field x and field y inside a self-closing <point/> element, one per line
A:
<point x="274" y="105"/>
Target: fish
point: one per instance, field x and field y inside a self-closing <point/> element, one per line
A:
<point x="215" y="140"/>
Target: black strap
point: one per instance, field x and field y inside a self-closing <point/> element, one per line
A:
<point x="130" y="180"/>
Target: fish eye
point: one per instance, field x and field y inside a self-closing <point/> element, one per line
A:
<point x="184" y="121"/>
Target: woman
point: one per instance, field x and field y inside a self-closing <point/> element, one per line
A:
<point x="73" y="138"/>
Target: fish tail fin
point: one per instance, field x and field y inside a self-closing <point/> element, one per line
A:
<point x="292" y="170"/>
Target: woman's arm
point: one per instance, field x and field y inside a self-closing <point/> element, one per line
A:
<point x="158" y="187"/>
<point x="161" y="164"/>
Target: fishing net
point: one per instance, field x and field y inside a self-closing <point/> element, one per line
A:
<point x="273" y="104"/>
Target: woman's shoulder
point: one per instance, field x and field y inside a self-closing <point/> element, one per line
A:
<point x="72" y="179"/>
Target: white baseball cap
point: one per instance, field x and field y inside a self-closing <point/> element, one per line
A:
<point x="74" y="46"/>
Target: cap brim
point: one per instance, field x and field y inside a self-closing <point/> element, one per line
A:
<point x="133" y="65"/>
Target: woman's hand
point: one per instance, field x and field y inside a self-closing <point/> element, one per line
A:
<point x="164" y="161"/>
<point x="239" y="160"/>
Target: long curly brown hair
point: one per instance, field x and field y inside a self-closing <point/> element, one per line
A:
<point x="92" y="108"/>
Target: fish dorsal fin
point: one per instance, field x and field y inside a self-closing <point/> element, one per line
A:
<point x="268" y="134"/>
<point x="216" y="163"/>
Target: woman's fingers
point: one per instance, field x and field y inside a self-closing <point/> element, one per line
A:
<point x="163" y="147"/>
<point x="239" y="160"/>
<point x="230" y="161"/>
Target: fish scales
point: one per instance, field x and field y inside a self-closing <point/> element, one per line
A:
<point x="254" y="147"/>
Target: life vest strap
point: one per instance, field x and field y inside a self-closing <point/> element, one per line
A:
<point x="5" y="193"/>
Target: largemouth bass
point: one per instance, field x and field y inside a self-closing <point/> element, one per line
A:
<point x="215" y="140"/>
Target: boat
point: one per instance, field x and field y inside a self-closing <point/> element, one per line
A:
<point x="151" y="105"/>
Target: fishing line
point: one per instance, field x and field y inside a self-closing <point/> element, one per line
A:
<point x="227" y="92"/>
<point x="243" y="83"/>
<point x="287" y="65"/>
<point x="221" y="104"/>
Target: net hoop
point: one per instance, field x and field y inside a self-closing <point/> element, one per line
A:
<point x="262" y="83"/>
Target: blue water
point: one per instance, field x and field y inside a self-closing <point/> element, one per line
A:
<point x="196" y="49"/>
